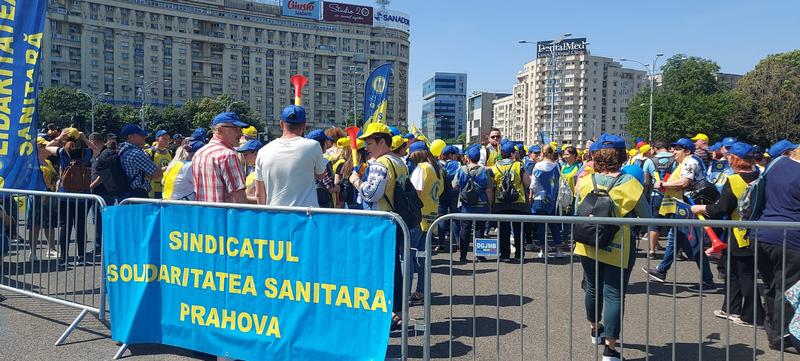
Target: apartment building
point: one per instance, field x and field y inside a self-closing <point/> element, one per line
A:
<point x="480" y="114"/>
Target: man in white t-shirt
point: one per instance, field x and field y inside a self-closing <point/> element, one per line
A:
<point x="287" y="166"/>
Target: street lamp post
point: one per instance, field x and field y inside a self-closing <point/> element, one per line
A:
<point x="652" y="71"/>
<point x="145" y="87"/>
<point x="354" y="73"/>
<point x="552" y="80"/>
<point x="93" y="97"/>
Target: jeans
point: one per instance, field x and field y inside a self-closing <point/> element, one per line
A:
<point x="607" y="283"/>
<point x="776" y="282"/>
<point x="683" y="243"/>
<point x="466" y="235"/>
<point x="73" y="214"/>
<point x="555" y="229"/>
<point x="418" y="244"/>
<point x="504" y="235"/>
<point x="447" y="204"/>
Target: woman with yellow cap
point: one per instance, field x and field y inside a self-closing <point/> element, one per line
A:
<point x="43" y="210"/>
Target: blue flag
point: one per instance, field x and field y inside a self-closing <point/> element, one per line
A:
<point x="21" y="26"/>
<point x="692" y="235"/>
<point x="375" y="91"/>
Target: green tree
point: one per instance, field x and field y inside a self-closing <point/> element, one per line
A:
<point x="203" y="111"/>
<point x="691" y="100"/>
<point x="108" y="119"/>
<point x="60" y="104"/>
<point x="769" y="99"/>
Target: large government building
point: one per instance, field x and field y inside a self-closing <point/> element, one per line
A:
<point x="163" y="52"/>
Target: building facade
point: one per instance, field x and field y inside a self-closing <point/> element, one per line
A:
<point x="504" y="118"/>
<point x="165" y="52"/>
<point x="591" y="97"/>
<point x="444" y="110"/>
<point x="480" y="114"/>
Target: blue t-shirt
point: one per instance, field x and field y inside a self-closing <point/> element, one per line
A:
<point x="782" y="203"/>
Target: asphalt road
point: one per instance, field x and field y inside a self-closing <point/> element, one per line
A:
<point x="540" y="316"/>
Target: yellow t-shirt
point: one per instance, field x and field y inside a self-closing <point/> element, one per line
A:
<point x="430" y="187"/>
<point x="161" y="157"/>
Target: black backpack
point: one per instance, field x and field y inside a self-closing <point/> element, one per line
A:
<point x="597" y="203"/>
<point x="109" y="168"/>
<point x="405" y="201"/>
<point x="470" y="193"/>
<point x="507" y="192"/>
<point x="664" y="169"/>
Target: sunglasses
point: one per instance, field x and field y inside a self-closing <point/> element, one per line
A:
<point x="494" y="137"/>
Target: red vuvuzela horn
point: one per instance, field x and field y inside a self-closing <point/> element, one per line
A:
<point x="298" y="81"/>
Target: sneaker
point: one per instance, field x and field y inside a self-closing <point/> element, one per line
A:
<point x="707" y="288"/>
<point x="655" y="274"/>
<point x="80" y="262"/>
<point x="559" y="253"/>
<point x="596" y="338"/>
<point x="481" y="259"/>
<point x="610" y="354"/>
<point x="541" y="254"/>
<point x="651" y="255"/>
<point x="52" y="253"/>
<point x="725" y="316"/>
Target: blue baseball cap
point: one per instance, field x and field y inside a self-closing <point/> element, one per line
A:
<point x="228" y="118"/>
<point x="318" y="135"/>
<point x="160" y="132"/>
<point x="635" y="171"/>
<point x="729" y="141"/>
<point x="294" y="114"/>
<point x="417" y="146"/>
<point x="199" y="133"/>
<point x="130" y="129"/>
<point x="741" y="150"/>
<point x="780" y="147"/>
<point x="195" y="145"/>
<point x="409" y="136"/>
<point x="249" y="145"/>
<point x="534" y="149"/>
<point x="508" y="147"/>
<point x="451" y="149"/>
<point x="474" y="152"/>
<point x="684" y="143"/>
<point x="178" y="136"/>
<point x="394" y="131"/>
<point x="716" y="147"/>
<point x="608" y="141"/>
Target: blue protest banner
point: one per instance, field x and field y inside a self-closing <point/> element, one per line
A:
<point x="21" y="26"/>
<point x="250" y="284"/>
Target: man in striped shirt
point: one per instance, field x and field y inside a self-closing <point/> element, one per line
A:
<point x="218" y="174"/>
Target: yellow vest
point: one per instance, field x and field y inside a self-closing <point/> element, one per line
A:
<point x="49" y="175"/>
<point x="169" y="180"/>
<point x="492" y="155"/>
<point x="432" y="188"/>
<point x="395" y="171"/>
<point x="161" y="159"/>
<point x="569" y="177"/>
<point x="625" y="196"/>
<point x="738" y="186"/>
<point x="499" y="170"/>
<point x="668" y="204"/>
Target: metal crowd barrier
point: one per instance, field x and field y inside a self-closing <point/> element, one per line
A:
<point x="48" y="225"/>
<point x="664" y="338"/>
<point x="310" y="212"/>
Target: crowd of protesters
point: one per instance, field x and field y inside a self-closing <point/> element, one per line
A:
<point x="317" y="168"/>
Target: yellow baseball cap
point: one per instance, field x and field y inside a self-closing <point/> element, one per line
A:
<point x="342" y="142"/>
<point x="644" y="149"/>
<point x="360" y="144"/>
<point x="41" y="140"/>
<point x="73" y="133"/>
<point x="700" y="136"/>
<point x="375" y="128"/>
<point x="398" y="141"/>
<point x="250" y="131"/>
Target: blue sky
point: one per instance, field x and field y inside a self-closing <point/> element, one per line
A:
<point x="480" y="37"/>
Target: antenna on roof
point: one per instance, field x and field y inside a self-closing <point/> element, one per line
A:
<point x="383" y="3"/>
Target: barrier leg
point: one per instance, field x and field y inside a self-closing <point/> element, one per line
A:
<point x="121" y="351"/>
<point x="71" y="327"/>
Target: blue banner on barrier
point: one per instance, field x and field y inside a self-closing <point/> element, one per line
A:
<point x="21" y="26"/>
<point x="250" y="284"/>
